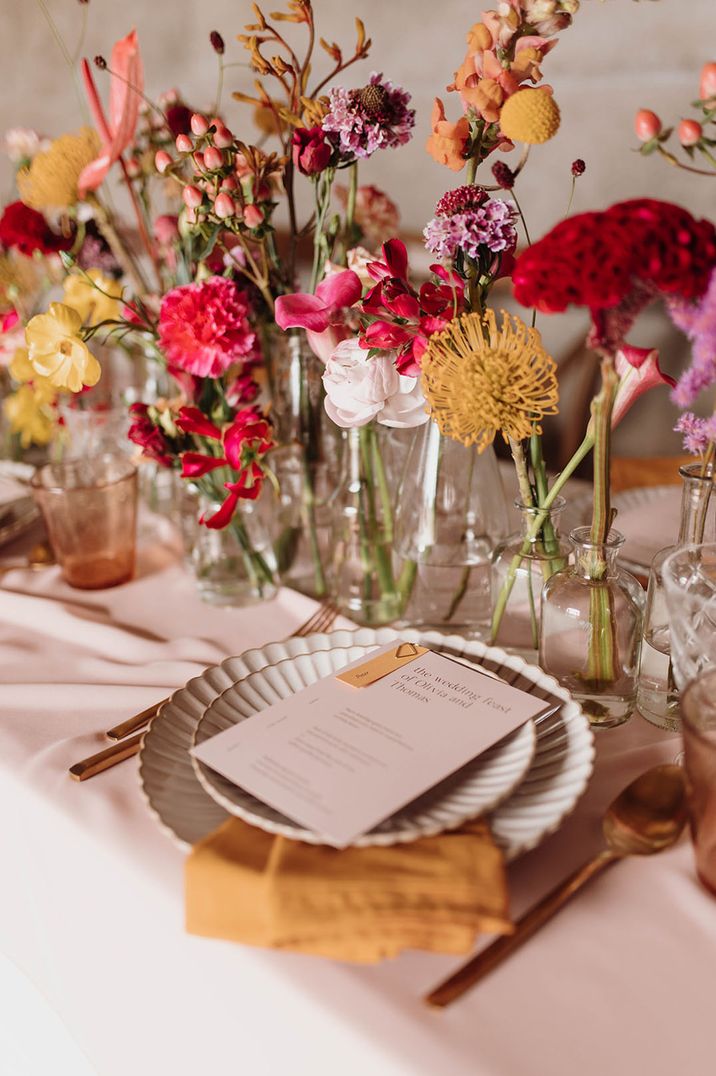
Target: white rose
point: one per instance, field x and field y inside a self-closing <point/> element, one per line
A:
<point x="406" y="408"/>
<point x="357" y="387"/>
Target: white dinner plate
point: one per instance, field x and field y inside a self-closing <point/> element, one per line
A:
<point x="477" y="788"/>
<point x="559" y="772"/>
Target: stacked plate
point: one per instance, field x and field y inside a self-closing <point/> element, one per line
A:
<point x="527" y="783"/>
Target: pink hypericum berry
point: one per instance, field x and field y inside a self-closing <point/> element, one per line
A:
<point x="690" y="132"/>
<point x="223" y="138"/>
<point x="224" y="206"/>
<point x="184" y="144"/>
<point x="199" y="124"/>
<point x="192" y="197"/>
<point x="162" y="161"/>
<point x="229" y="184"/>
<point x="646" y="124"/>
<point x="253" y="216"/>
<point x="213" y="158"/>
<point x="133" y="167"/>
<point x="707" y="88"/>
<point x="199" y="161"/>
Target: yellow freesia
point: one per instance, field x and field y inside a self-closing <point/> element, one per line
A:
<point x="57" y="352"/>
<point x="93" y="295"/>
<point x="30" y="415"/>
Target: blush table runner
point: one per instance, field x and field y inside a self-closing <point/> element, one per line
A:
<point x="91" y="900"/>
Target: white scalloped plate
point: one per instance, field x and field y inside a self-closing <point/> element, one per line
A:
<point x="478" y="787"/>
<point x="557" y="777"/>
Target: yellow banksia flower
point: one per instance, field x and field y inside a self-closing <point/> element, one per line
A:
<point x="479" y="379"/>
<point x="531" y="116"/>
<point x="29" y="413"/>
<point x="57" y="352"/>
<point x="93" y="295"/>
<point x="51" y="180"/>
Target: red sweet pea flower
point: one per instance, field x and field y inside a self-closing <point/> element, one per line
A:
<point x="245" y="442"/>
<point x="27" y="231"/>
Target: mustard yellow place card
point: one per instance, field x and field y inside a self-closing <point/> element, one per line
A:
<point x="347" y="752"/>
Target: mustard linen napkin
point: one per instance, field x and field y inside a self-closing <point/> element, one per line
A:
<point x="357" y="904"/>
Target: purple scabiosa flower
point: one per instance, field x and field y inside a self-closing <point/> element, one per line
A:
<point x="472" y="223"/>
<point x="375" y="117"/>
<point x="698" y="321"/>
<point x="698" y="432"/>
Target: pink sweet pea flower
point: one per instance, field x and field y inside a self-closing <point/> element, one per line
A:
<point x="117" y="131"/>
<point x="321" y="315"/>
<point x="638" y="370"/>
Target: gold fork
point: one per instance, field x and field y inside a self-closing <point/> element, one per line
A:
<point x="321" y="620"/>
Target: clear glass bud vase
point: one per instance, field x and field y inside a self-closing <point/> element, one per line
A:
<point x="363" y="582"/>
<point x="590" y="637"/>
<point x="307" y="464"/>
<point x="658" y="697"/>
<point x="234" y="565"/>
<point x="521" y="566"/>
<point x="450" y="513"/>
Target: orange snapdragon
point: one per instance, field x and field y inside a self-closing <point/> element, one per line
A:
<point x="448" y="141"/>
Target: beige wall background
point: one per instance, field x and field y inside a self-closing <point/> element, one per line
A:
<point x="618" y="55"/>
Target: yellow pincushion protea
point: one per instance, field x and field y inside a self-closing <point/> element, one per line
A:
<point x="531" y="116"/>
<point x="51" y="180"/>
<point x="479" y="379"/>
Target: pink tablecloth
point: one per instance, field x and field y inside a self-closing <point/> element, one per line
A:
<point x="91" y="895"/>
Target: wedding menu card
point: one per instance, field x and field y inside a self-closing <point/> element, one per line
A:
<point x="339" y="758"/>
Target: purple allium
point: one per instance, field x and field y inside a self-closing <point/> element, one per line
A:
<point x="698" y="432"/>
<point x="375" y="117"/>
<point x="698" y="321"/>
<point x="491" y="226"/>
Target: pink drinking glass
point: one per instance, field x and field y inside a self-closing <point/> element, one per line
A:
<point x="90" y="511"/>
<point x="698" y="719"/>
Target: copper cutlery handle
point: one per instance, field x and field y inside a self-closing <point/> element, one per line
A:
<point x="484" y="962"/>
<point x="118" y="732"/>
<point x="104" y="760"/>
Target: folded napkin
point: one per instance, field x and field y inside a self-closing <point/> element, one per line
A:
<point x="358" y="904"/>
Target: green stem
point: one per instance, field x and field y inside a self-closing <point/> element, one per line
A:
<point x="378" y="543"/>
<point x="539" y="520"/>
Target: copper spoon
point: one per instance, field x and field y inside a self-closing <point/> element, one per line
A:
<point x="647" y="817"/>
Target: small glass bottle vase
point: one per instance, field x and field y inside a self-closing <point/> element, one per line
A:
<point x="363" y="583"/>
<point x="234" y="565"/>
<point x="306" y="464"/>
<point x="658" y="697"/>
<point x="450" y="513"/>
<point x="590" y="637"/>
<point x="521" y="566"/>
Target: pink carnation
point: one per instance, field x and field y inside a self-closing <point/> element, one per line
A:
<point x="204" y="328"/>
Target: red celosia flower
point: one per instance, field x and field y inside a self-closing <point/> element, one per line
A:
<point x="204" y="328"/>
<point x="149" y="437"/>
<point x="27" y="231"/>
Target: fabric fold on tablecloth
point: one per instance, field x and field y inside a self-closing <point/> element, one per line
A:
<point x="356" y="904"/>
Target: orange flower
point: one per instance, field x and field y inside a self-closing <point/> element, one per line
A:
<point x="448" y="141"/>
<point x="479" y="38"/>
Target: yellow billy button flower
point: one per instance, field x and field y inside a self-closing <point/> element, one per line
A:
<point x="93" y="295"/>
<point x="30" y="415"/>
<point x="479" y="379"/>
<point x="57" y="352"/>
<point x="531" y="116"/>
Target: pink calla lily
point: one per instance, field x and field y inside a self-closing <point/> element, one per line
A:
<point x="321" y="315"/>
<point x="117" y="130"/>
<point x="638" y="370"/>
